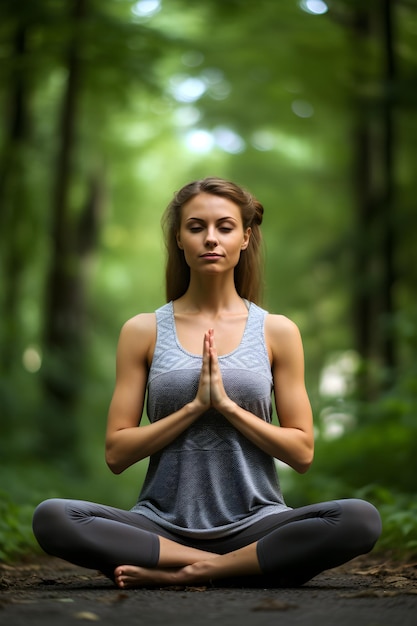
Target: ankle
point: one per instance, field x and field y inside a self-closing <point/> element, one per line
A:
<point x="198" y="572"/>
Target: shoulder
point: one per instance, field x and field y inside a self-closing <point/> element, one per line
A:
<point x="138" y="335"/>
<point x="282" y="336"/>
<point x="274" y="323"/>
<point x="141" y="324"/>
<point x="280" y="326"/>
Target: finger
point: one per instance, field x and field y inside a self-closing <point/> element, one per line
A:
<point x="203" y="392"/>
<point x="206" y="345"/>
<point x="213" y="348"/>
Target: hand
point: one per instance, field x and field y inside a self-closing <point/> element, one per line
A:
<point x="218" y="395"/>
<point x="211" y="392"/>
<point x="203" y="398"/>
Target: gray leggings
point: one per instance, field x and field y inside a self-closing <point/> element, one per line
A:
<point x="292" y="546"/>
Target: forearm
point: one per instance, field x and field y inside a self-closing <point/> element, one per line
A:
<point x="293" y="446"/>
<point x="127" y="446"/>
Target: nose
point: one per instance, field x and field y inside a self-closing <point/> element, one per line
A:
<point x="211" y="239"/>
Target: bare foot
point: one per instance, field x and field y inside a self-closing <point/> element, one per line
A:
<point x="240" y="562"/>
<point x="131" y="576"/>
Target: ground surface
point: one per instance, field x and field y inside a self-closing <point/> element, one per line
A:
<point x="371" y="591"/>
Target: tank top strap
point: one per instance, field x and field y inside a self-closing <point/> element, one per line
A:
<point x="167" y="353"/>
<point x="252" y="352"/>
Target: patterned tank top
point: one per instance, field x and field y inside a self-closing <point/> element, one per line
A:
<point x="211" y="481"/>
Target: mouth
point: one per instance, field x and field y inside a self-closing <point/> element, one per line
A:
<point x="211" y="255"/>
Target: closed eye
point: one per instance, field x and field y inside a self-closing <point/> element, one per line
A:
<point x="224" y="225"/>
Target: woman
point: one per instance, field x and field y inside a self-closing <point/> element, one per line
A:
<point x="211" y="507"/>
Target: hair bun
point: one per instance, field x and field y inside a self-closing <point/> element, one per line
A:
<point x="259" y="212"/>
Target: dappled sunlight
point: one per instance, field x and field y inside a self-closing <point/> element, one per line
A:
<point x="228" y="140"/>
<point x="263" y="140"/>
<point x="315" y="7"/>
<point x="337" y="383"/>
<point x="334" y="423"/>
<point x="32" y="359"/>
<point x="338" y="375"/>
<point x="186" y="115"/>
<point x="302" y="108"/>
<point x="204" y="141"/>
<point x="199" y="141"/>
<point x="146" y="8"/>
<point x="210" y="81"/>
<point x="187" y="88"/>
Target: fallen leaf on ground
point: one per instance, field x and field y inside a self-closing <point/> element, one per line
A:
<point x="385" y="569"/>
<point x="90" y="617"/>
<point x="271" y="604"/>
<point x="111" y="599"/>
<point x="397" y="581"/>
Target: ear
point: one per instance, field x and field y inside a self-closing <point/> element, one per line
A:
<point x="179" y="244"/>
<point x="246" y="238"/>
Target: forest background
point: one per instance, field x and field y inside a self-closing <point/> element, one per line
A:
<point x="107" y="109"/>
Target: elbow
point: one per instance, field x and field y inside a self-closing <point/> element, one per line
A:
<point x="305" y="457"/>
<point x="303" y="465"/>
<point x="114" y="467"/>
<point x="302" y="468"/>
<point x="113" y="463"/>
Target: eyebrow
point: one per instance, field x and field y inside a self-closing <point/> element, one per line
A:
<point x="221" y="219"/>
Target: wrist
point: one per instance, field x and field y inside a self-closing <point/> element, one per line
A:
<point x="195" y="408"/>
<point x="227" y="407"/>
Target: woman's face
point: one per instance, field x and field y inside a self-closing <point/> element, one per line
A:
<point x="211" y="233"/>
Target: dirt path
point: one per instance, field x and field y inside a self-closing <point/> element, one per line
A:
<point x="367" y="592"/>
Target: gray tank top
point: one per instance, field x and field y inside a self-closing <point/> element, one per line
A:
<point x="211" y="481"/>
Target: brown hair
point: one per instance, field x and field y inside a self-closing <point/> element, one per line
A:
<point x="248" y="271"/>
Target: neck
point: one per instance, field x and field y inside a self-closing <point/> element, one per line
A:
<point x="212" y="294"/>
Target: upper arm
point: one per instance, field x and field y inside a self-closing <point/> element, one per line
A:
<point x="134" y="354"/>
<point x="287" y="359"/>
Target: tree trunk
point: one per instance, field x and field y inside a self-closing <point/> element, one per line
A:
<point x="364" y="202"/>
<point x="64" y="312"/>
<point x="387" y="184"/>
<point x="373" y="177"/>
<point x="13" y="200"/>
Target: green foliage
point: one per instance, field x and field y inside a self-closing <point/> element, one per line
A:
<point x="400" y="528"/>
<point x="28" y="483"/>
<point x="399" y="520"/>
<point x="16" y="538"/>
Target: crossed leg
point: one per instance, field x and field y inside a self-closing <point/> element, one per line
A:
<point x="289" y="547"/>
<point x="180" y="565"/>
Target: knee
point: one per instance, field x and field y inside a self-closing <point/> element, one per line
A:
<point x="365" y="523"/>
<point x="46" y="521"/>
<point x="371" y="521"/>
